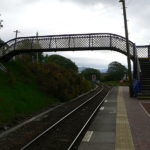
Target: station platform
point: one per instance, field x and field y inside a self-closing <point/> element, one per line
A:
<point x="121" y="124"/>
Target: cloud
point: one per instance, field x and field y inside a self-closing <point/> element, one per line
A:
<point x="91" y="2"/>
<point x="75" y="16"/>
<point x="138" y="18"/>
<point x="96" y="59"/>
<point x="64" y="16"/>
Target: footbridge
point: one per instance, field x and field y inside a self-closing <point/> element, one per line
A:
<point x="69" y="42"/>
<point x="76" y="42"/>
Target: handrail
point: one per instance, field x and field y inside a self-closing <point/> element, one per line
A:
<point x="66" y="42"/>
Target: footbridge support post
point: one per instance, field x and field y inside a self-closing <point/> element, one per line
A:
<point x="149" y="51"/>
<point x="127" y="47"/>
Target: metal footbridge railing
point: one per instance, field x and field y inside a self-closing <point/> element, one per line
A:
<point x="69" y="42"/>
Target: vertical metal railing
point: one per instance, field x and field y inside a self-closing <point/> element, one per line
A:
<point x="137" y="65"/>
<point x="70" y="42"/>
<point x="148" y="51"/>
<point x="134" y="63"/>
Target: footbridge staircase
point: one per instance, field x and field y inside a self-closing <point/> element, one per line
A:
<point x="144" y="61"/>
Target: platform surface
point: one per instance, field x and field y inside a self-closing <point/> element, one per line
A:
<point x="122" y="124"/>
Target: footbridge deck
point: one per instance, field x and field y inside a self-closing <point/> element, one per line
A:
<point x="69" y="42"/>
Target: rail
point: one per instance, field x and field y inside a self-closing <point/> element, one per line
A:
<point x="58" y="122"/>
<point x="143" y="51"/>
<point x="87" y="122"/>
<point x="67" y="42"/>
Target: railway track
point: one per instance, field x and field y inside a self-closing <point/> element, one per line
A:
<point x="66" y="132"/>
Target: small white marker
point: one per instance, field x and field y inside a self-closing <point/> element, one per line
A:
<point x="102" y="108"/>
<point x="106" y="101"/>
<point x="87" y="136"/>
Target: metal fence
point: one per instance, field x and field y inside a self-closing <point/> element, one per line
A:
<point x="70" y="42"/>
<point x="143" y="51"/>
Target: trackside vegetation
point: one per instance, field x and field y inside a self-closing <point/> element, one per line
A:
<point x="29" y="86"/>
<point x="61" y="61"/>
<point x="116" y="75"/>
<point x="19" y="93"/>
<point x="89" y="72"/>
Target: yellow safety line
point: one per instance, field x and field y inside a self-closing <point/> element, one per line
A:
<point x="124" y="139"/>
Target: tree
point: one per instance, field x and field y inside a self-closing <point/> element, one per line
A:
<point x="3" y="47"/>
<point x="62" y="61"/>
<point x="116" y="71"/>
<point x="1" y="41"/>
<point x="58" y="81"/>
<point x="89" y="72"/>
<point x="1" y="22"/>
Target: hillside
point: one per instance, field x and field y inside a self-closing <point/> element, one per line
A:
<point x="19" y="93"/>
<point x="25" y="89"/>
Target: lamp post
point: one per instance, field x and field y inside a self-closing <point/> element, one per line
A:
<point x="127" y="46"/>
<point x="16" y="33"/>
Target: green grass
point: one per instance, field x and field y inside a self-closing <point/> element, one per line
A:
<point x="116" y="83"/>
<point x="19" y="93"/>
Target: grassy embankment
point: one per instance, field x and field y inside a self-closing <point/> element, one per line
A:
<point x="28" y="88"/>
<point x="19" y="93"/>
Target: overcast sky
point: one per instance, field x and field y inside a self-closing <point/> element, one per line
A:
<point x="77" y="16"/>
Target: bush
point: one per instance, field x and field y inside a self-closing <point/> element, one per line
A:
<point x="62" y="61"/>
<point x="59" y="82"/>
<point x="89" y="72"/>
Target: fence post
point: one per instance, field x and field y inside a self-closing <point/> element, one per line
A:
<point x="110" y="41"/>
<point x="134" y="62"/>
<point x="149" y="51"/>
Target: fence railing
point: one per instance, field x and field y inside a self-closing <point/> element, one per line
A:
<point x="70" y="42"/>
<point x="143" y="51"/>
